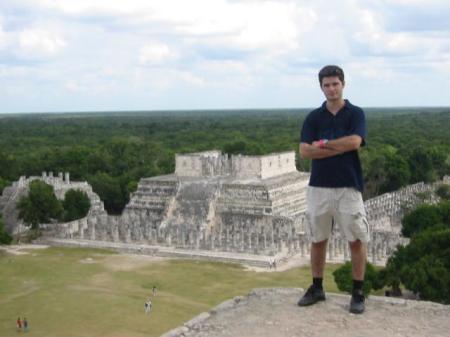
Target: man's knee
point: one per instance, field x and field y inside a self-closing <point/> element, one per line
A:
<point x="320" y="243"/>
<point x="357" y="244"/>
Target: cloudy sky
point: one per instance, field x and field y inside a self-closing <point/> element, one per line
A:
<point x="86" y="55"/>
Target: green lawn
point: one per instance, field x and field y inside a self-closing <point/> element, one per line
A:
<point x="61" y="296"/>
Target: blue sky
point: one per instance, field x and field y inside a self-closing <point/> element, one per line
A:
<point x="90" y="55"/>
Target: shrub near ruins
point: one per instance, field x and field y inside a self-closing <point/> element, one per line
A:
<point x="343" y="278"/>
<point x="423" y="266"/>
<point x="76" y="205"/>
<point x="426" y="216"/>
<point x="40" y="205"/>
<point x="5" y="238"/>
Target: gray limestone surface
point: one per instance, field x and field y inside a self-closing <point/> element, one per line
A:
<point x="274" y="312"/>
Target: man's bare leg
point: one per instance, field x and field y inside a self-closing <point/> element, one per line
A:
<point x="318" y="256"/>
<point x="358" y="253"/>
<point x="315" y="293"/>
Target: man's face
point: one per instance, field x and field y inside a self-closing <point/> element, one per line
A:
<point x="332" y="87"/>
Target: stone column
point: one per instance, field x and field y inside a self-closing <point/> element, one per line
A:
<point x="183" y="237"/>
<point x="374" y="257"/>
<point x="272" y="240"/>
<point x="127" y="234"/>
<point x="91" y="228"/>
<point x="302" y="246"/>
<point x="197" y="240"/>
<point x="330" y="249"/>
<point x="257" y="242"/>
<point x="82" y="227"/>
<point x="336" y="246"/>
<point x="115" y="233"/>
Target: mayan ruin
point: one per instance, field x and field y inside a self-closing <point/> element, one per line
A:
<point x="216" y="203"/>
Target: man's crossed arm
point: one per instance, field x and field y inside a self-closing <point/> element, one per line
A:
<point x="331" y="148"/>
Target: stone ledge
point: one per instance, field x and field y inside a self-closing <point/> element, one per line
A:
<point x="268" y="312"/>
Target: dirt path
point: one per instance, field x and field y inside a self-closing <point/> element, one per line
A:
<point x="293" y="262"/>
<point x="273" y="312"/>
<point x="21" y="249"/>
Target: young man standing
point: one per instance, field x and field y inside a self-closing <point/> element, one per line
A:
<point x="331" y="136"/>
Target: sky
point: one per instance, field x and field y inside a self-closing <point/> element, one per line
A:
<point x="99" y="55"/>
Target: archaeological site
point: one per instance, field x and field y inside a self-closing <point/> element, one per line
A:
<point x="246" y="209"/>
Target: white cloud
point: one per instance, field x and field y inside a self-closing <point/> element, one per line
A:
<point x="39" y="42"/>
<point x="155" y="53"/>
<point x="207" y="49"/>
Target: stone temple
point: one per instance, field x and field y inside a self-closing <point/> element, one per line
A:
<point x="215" y="204"/>
<point x="237" y="203"/>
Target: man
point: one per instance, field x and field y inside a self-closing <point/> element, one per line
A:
<point x="148" y="306"/>
<point x="331" y="136"/>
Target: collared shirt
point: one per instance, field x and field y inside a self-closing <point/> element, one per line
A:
<point x="343" y="170"/>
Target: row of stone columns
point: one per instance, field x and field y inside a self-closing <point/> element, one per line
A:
<point x="109" y="228"/>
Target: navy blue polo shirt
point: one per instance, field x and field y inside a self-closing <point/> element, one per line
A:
<point x="343" y="170"/>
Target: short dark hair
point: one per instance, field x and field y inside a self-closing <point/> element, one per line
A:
<point x="329" y="71"/>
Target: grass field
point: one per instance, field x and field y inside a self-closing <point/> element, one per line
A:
<point x="67" y="292"/>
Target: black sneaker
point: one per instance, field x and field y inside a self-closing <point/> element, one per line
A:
<point x="312" y="295"/>
<point x="357" y="305"/>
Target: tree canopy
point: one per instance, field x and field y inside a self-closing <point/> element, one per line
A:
<point x="344" y="280"/>
<point x="76" y="205"/>
<point x="40" y="205"/>
<point x="5" y="238"/>
<point x="425" y="216"/>
<point x="119" y="148"/>
<point x="423" y="266"/>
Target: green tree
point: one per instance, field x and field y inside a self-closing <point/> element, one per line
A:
<point x="110" y="191"/>
<point x="425" y="268"/>
<point x="424" y="216"/>
<point x="421" y="166"/>
<point x="344" y="280"/>
<point x="40" y="205"/>
<point x="386" y="171"/>
<point x="438" y="157"/>
<point x="443" y="191"/>
<point x="8" y="165"/>
<point x="5" y="238"/>
<point x="3" y="184"/>
<point x="76" y="205"/>
<point x="237" y="147"/>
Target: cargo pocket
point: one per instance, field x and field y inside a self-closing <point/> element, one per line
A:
<point x="360" y="227"/>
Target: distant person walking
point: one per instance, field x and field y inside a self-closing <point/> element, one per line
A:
<point x="19" y="324"/>
<point x="331" y="136"/>
<point x="25" y="324"/>
<point x="148" y="306"/>
<point x="154" y="291"/>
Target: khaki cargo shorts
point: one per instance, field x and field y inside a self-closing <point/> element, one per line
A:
<point x="342" y="206"/>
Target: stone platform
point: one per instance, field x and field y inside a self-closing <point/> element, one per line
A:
<point x="260" y="261"/>
<point x="284" y="259"/>
<point x="273" y="312"/>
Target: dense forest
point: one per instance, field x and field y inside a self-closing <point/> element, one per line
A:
<point x="113" y="150"/>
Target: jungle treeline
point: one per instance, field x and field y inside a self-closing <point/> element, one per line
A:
<point x="113" y="150"/>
